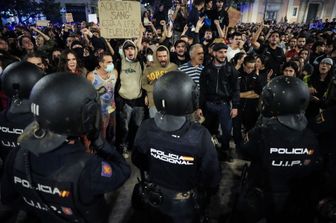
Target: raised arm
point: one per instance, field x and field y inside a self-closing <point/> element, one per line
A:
<point x="255" y="37"/>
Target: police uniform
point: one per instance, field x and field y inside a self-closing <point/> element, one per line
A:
<point x="284" y="156"/>
<point x="50" y="173"/>
<point x="177" y="155"/>
<point x="66" y="185"/>
<point x="11" y="127"/>
<point x="179" y="163"/>
<point x="17" y="80"/>
<point x="283" y="162"/>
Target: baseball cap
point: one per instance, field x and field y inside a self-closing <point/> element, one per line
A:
<point x="219" y="46"/>
<point x="328" y="61"/>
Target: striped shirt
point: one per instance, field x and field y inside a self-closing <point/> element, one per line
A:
<point x="191" y="71"/>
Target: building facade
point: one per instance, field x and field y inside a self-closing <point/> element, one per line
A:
<point x="80" y="9"/>
<point x="293" y="11"/>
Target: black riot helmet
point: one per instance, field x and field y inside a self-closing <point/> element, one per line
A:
<point x="18" y="79"/>
<point x="175" y="93"/>
<point x="65" y="104"/>
<point x="284" y="96"/>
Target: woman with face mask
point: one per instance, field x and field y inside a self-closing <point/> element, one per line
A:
<point x="104" y="78"/>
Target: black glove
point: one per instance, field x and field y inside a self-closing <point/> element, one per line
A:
<point x="97" y="141"/>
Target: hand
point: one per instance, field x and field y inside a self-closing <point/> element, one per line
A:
<point x="200" y="23"/>
<point x="216" y="22"/>
<point x="146" y="100"/>
<point x="142" y="29"/>
<point x="85" y="31"/>
<point x="96" y="139"/>
<point x="234" y="112"/>
<point x="199" y="113"/>
<point x="162" y="22"/>
<point x="185" y="29"/>
<point x="269" y="75"/>
<point x="312" y="90"/>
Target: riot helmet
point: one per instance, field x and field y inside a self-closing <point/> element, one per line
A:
<point x="19" y="78"/>
<point x="64" y="105"/>
<point x="286" y="98"/>
<point x="175" y="93"/>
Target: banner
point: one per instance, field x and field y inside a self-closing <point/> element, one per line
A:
<point x="119" y="19"/>
<point x="234" y="16"/>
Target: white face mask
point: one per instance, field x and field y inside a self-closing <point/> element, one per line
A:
<point x="109" y="68"/>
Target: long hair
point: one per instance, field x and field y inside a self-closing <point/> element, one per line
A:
<point x="63" y="63"/>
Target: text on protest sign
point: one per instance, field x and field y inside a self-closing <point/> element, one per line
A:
<point x="119" y="19"/>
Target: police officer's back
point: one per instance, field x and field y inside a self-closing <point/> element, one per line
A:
<point x="283" y="153"/>
<point x="17" y="81"/>
<point x="51" y="173"/>
<point x="178" y="155"/>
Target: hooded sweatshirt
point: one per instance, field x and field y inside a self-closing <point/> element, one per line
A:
<point x="130" y="75"/>
<point x="154" y="72"/>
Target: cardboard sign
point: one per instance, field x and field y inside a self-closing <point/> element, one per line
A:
<point x="93" y="18"/>
<point x="234" y="16"/>
<point x="119" y="19"/>
<point x="42" y="23"/>
<point x="69" y="17"/>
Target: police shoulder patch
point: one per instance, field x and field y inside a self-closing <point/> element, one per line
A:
<point x="106" y="169"/>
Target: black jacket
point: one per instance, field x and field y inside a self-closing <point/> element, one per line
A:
<point x="181" y="160"/>
<point x="219" y="84"/>
<point x="285" y="164"/>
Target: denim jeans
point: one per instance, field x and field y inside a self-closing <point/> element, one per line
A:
<point x="219" y="113"/>
<point x="152" y="111"/>
<point x="129" y="114"/>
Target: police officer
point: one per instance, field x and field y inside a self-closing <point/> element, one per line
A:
<point x="284" y="156"/>
<point x="177" y="154"/>
<point x="17" y="81"/>
<point x="51" y="173"/>
<point x="325" y="127"/>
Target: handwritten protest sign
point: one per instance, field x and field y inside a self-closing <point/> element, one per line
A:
<point x="93" y="18"/>
<point x="42" y="23"/>
<point x="234" y="16"/>
<point x="69" y="17"/>
<point x="119" y="19"/>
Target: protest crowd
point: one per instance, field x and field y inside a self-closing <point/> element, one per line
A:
<point x="188" y="93"/>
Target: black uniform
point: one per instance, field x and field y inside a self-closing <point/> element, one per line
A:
<point x="180" y="163"/>
<point x="247" y="114"/>
<point x="11" y="127"/>
<point x="283" y="162"/>
<point x="66" y="185"/>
